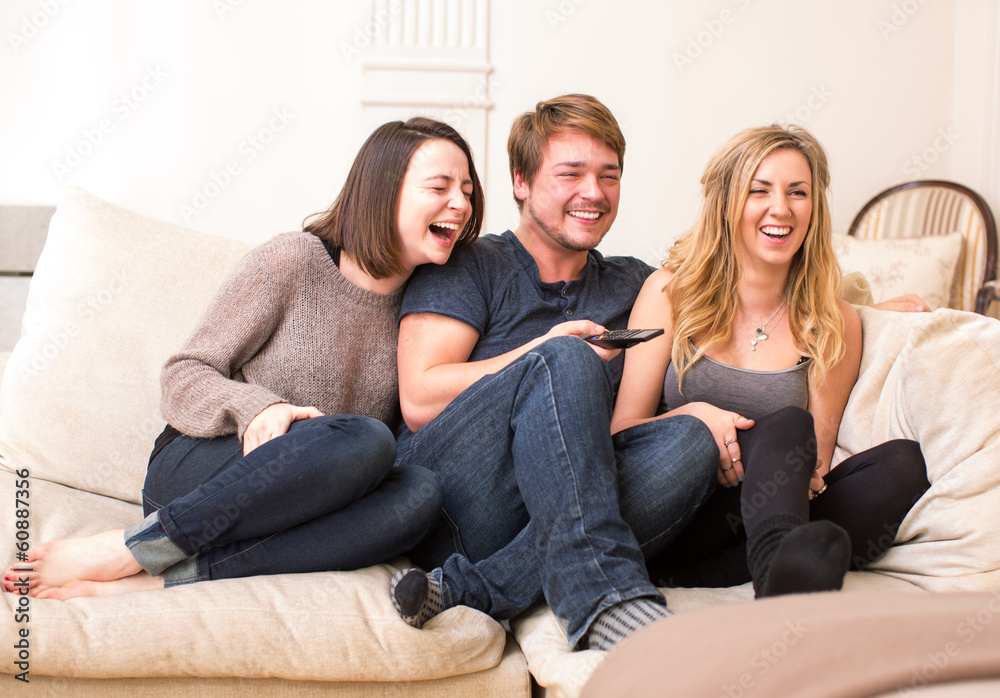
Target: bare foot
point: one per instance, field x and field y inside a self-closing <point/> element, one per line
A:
<point x="100" y="558"/>
<point x="136" y="582"/>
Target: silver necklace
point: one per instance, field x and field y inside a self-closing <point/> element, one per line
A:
<point x="760" y="334"/>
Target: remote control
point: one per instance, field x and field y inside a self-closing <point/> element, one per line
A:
<point x="622" y="339"/>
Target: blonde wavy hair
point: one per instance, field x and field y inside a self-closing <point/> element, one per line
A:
<point x="707" y="267"/>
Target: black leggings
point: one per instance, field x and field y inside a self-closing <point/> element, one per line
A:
<point x="867" y="494"/>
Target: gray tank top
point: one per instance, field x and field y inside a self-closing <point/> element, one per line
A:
<point x="753" y="394"/>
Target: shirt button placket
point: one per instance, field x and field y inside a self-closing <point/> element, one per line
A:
<point x="565" y="294"/>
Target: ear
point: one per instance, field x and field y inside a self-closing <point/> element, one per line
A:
<point x="521" y="187"/>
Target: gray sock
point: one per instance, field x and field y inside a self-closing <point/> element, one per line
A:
<point x="618" y="622"/>
<point x="416" y="596"/>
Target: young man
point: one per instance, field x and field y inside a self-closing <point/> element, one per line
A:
<point x="511" y="409"/>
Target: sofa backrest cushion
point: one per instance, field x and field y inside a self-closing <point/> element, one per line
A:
<point x="935" y="377"/>
<point x="113" y="295"/>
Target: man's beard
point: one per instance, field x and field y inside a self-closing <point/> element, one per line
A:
<point x="559" y="234"/>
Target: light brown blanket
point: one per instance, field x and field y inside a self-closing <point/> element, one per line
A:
<point x="843" y="645"/>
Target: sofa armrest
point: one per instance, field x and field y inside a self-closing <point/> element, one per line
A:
<point x="988" y="294"/>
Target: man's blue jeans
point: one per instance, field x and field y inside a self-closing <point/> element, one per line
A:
<point x="532" y="483"/>
<point x="324" y="496"/>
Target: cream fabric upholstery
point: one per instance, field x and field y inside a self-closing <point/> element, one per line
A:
<point x="935" y="377"/>
<point x="856" y="289"/>
<point x="509" y="677"/>
<point x="114" y="294"/>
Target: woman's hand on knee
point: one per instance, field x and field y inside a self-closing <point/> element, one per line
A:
<point x="273" y="421"/>
<point x="725" y="425"/>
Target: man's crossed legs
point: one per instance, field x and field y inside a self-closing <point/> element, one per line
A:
<point x="540" y="499"/>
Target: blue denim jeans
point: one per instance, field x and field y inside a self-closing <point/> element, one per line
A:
<point x="532" y="482"/>
<point x="324" y="496"/>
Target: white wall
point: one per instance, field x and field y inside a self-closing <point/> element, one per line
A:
<point x="975" y="157"/>
<point x="878" y="81"/>
<point x="872" y="81"/>
<point x="204" y="83"/>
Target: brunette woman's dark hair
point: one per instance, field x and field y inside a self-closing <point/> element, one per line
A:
<point x="362" y="220"/>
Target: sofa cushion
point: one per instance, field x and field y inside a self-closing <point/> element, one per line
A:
<point x="563" y="673"/>
<point x="324" y="626"/>
<point x="113" y="295"/>
<point x="934" y="377"/>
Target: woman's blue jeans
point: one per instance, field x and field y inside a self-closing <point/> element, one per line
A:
<point x="324" y="496"/>
<point x="539" y="499"/>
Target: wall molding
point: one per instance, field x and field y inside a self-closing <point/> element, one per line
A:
<point x="430" y="57"/>
<point x="427" y="66"/>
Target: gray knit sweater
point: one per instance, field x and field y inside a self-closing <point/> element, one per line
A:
<point x="285" y="327"/>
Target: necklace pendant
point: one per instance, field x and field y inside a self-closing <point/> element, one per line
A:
<point x="759" y="334"/>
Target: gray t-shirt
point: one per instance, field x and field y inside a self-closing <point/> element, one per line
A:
<point x="494" y="287"/>
<point x="753" y="394"/>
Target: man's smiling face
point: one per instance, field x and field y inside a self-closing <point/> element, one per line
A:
<point x="573" y="199"/>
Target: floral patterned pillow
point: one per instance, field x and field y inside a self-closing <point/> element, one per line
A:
<point x="894" y="266"/>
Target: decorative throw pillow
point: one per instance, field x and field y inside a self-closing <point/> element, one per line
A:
<point x="925" y="266"/>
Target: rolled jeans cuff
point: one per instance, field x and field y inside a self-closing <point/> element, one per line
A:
<point x="184" y="572"/>
<point x="151" y="547"/>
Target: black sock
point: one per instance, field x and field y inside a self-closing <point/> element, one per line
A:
<point x="810" y="557"/>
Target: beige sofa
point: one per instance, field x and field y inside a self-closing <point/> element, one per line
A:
<point x="115" y="293"/>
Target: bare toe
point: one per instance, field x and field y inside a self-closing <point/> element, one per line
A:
<point x="18" y="578"/>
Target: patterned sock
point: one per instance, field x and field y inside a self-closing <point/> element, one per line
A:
<point x="416" y="596"/>
<point x="618" y="622"/>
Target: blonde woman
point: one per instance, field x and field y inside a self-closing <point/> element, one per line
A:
<point x="759" y="347"/>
